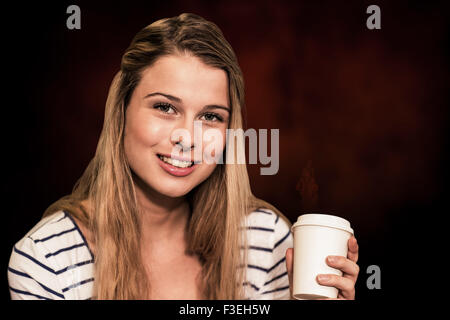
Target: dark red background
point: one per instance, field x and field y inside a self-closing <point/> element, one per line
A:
<point x="368" y="108"/>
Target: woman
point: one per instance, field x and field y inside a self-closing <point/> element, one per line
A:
<point x="142" y="224"/>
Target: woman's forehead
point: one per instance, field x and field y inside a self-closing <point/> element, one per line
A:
<point x="186" y="77"/>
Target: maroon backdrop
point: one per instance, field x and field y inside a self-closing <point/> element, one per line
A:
<point x="365" y="108"/>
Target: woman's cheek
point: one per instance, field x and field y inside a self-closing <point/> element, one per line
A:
<point x="154" y="132"/>
<point x="213" y="145"/>
<point x="141" y="135"/>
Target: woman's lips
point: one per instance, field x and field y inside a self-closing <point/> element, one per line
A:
<point x="177" y="158"/>
<point x="176" y="171"/>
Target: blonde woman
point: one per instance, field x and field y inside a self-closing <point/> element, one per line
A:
<point x="141" y="224"/>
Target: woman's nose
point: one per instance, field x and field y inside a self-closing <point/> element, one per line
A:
<point x="183" y="136"/>
<point x="184" y="147"/>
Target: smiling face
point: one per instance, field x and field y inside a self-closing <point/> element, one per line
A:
<point x="173" y="93"/>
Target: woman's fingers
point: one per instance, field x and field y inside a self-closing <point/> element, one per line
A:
<point x="353" y="249"/>
<point x="349" y="268"/>
<point x="345" y="285"/>
<point x="289" y="265"/>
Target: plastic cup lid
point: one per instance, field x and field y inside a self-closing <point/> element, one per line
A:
<point x="326" y="220"/>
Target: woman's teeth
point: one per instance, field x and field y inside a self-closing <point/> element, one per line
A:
<point x="176" y="163"/>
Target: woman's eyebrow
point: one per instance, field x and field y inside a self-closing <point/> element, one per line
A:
<point x="168" y="96"/>
<point x="176" y="99"/>
<point x="214" y="106"/>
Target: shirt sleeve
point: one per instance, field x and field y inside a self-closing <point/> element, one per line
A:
<point x="30" y="275"/>
<point x="276" y="286"/>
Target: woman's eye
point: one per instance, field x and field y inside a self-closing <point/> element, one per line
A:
<point x="212" y="116"/>
<point x="164" y="107"/>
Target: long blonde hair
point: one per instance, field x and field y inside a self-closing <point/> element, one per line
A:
<point x="218" y="205"/>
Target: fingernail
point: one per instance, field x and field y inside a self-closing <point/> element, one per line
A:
<point x="331" y="259"/>
<point x="323" y="277"/>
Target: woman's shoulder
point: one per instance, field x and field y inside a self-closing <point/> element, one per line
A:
<point x="46" y="225"/>
<point x="40" y="261"/>
<point x="268" y="237"/>
<point x="265" y="225"/>
<point x="268" y="233"/>
<point x="55" y="230"/>
<point x="265" y="219"/>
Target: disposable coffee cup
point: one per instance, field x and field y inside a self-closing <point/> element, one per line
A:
<point x="317" y="236"/>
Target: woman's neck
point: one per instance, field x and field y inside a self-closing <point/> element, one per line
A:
<point x="163" y="220"/>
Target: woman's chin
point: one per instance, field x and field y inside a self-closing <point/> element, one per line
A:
<point x="175" y="194"/>
<point x="175" y="191"/>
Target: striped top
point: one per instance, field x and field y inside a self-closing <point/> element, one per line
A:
<point x="53" y="260"/>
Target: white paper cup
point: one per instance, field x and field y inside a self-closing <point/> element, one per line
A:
<point x="317" y="236"/>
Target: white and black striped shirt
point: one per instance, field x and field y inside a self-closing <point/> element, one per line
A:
<point x="53" y="261"/>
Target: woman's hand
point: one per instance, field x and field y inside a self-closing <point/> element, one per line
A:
<point x="350" y="270"/>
